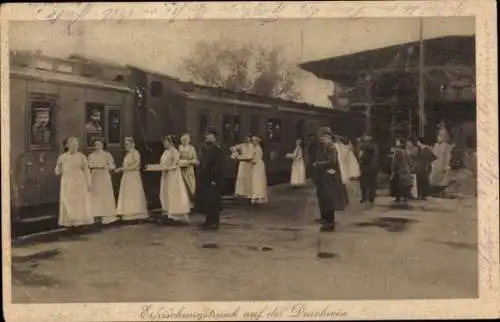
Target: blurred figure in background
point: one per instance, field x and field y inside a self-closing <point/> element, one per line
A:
<point x="298" y="173"/>
<point x="439" y="178"/>
<point x="259" y="178"/>
<point x="412" y="150"/>
<point x="423" y="161"/>
<point x="368" y="163"/>
<point x="244" y="154"/>
<point x="400" y="179"/>
<point x="188" y="161"/>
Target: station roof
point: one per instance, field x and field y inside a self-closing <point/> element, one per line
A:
<point x="442" y="51"/>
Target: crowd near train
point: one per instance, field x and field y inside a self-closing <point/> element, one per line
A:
<point x="97" y="103"/>
<point x="93" y="141"/>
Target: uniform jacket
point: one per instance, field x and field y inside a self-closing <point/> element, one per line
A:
<point x="423" y="160"/>
<point x="209" y="177"/>
<point x="368" y="157"/>
<point x="328" y="178"/>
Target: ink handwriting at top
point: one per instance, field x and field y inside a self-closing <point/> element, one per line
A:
<point x="117" y="14"/>
<point x="73" y="13"/>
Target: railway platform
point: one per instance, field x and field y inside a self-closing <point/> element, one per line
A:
<point x="268" y="252"/>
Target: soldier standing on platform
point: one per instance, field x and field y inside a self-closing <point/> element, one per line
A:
<point x="209" y="180"/>
<point x="327" y="175"/>
<point x="368" y="161"/>
<point x="312" y="150"/>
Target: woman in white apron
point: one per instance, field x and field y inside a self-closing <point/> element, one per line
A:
<point x="243" y="153"/>
<point x="188" y="160"/>
<point x="103" y="202"/>
<point x="132" y="203"/>
<point x="173" y="192"/>
<point x="440" y="172"/>
<point x="353" y="172"/>
<point x="74" y="204"/>
<point x="298" y="175"/>
<point x="259" y="178"/>
<point x="342" y="156"/>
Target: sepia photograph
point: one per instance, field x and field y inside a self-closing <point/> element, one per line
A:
<point x="242" y="159"/>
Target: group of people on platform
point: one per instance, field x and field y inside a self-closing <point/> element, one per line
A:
<point x="333" y="164"/>
<point x="418" y="170"/>
<point x="251" y="179"/>
<point x="87" y="192"/>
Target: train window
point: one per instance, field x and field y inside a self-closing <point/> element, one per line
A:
<point x="156" y="88"/>
<point x="94" y="122"/>
<point x="254" y="124"/>
<point x="40" y="123"/>
<point x="203" y="124"/>
<point x="274" y="130"/>
<point x="114" y="126"/>
<point x="231" y="129"/>
<point x="103" y="122"/>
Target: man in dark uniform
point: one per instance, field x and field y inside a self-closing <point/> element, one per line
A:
<point x="209" y="180"/>
<point x="326" y="170"/>
<point x="312" y="150"/>
<point x="368" y="164"/>
<point x="423" y="162"/>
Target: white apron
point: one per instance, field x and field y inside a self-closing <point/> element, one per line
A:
<point x="174" y="197"/>
<point x="103" y="203"/>
<point x="439" y="176"/>
<point x="244" y="178"/>
<point x="258" y="178"/>
<point x="74" y="205"/>
<point x="132" y="203"/>
<point x="352" y="164"/>
<point x="342" y="155"/>
<point x="298" y="175"/>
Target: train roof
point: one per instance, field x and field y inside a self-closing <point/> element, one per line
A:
<point x="440" y="51"/>
<point x="213" y="93"/>
<point x="64" y="78"/>
<point x="95" y="60"/>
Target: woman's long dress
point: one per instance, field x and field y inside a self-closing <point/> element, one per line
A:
<point x="243" y="187"/>
<point x="342" y="155"/>
<point x="173" y="192"/>
<point x="298" y="176"/>
<point x="132" y="203"/>
<point x="439" y="176"/>
<point x="353" y="171"/>
<point x="412" y="154"/>
<point x="188" y="155"/>
<point x="74" y="206"/>
<point x="401" y="179"/>
<point x="103" y="202"/>
<point x="258" y="178"/>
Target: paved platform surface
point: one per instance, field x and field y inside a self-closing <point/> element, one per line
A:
<point x="268" y="252"/>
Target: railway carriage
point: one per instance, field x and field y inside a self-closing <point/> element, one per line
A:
<point x="50" y="100"/>
<point x="169" y="106"/>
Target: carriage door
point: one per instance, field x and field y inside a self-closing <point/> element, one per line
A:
<point x="40" y="185"/>
<point x="230" y="129"/>
<point x="300" y="128"/>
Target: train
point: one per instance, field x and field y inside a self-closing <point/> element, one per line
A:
<point x="54" y="98"/>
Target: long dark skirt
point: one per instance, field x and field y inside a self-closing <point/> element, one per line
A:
<point x="400" y="187"/>
<point x="340" y="195"/>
